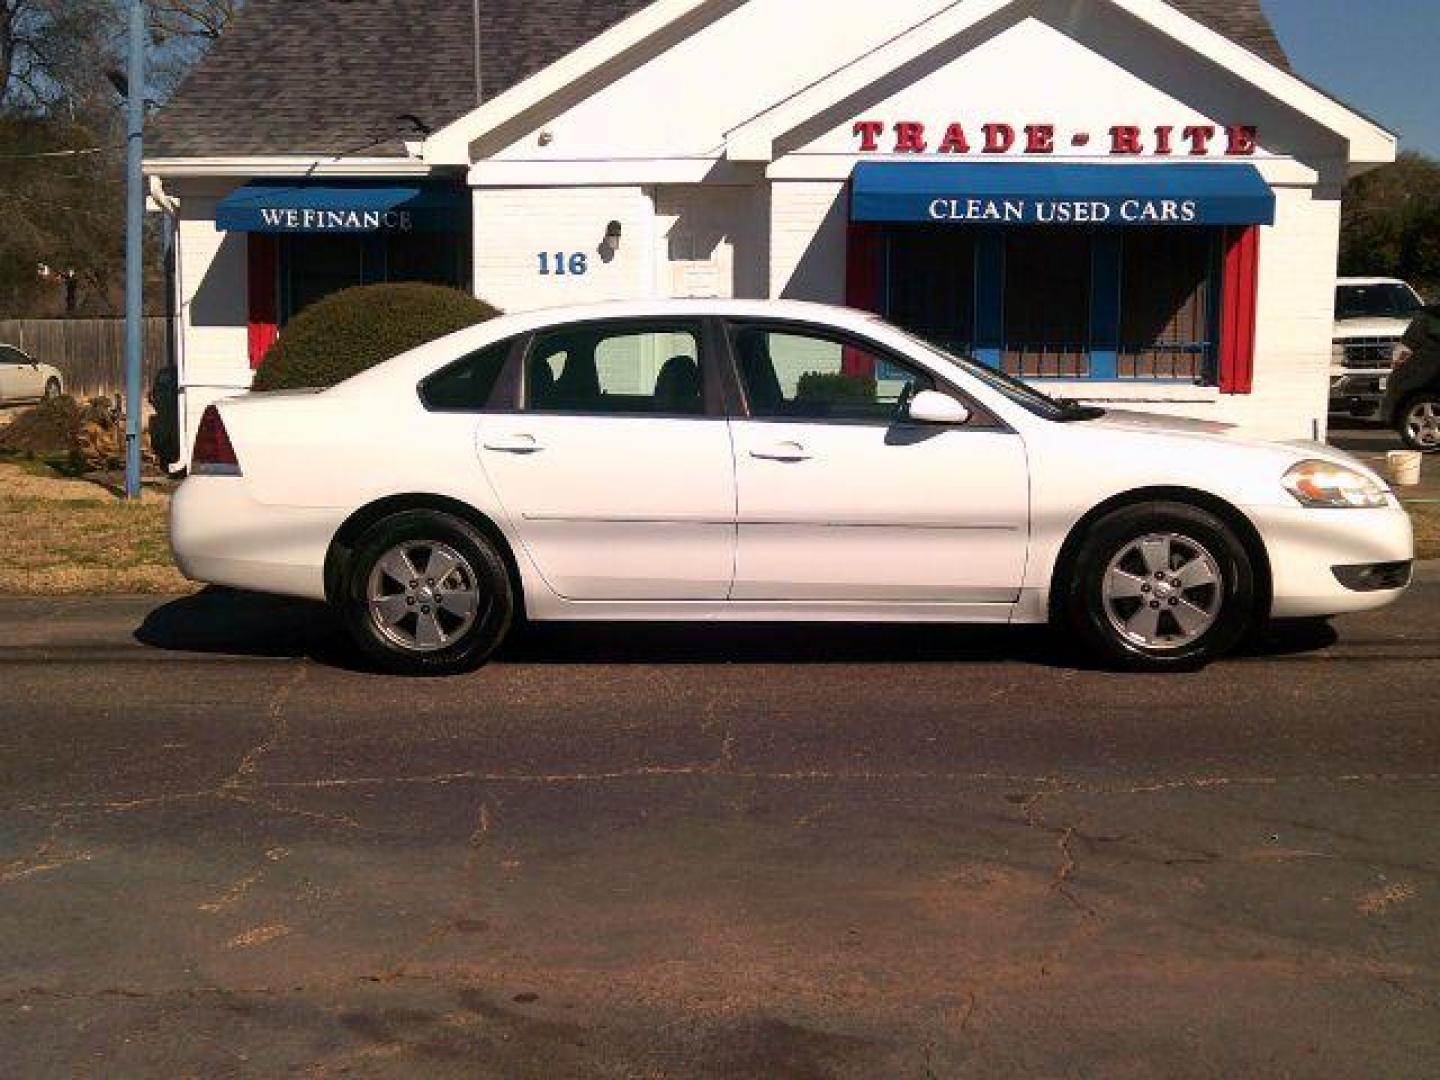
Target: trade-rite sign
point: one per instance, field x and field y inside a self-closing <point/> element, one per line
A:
<point x="1040" y="140"/>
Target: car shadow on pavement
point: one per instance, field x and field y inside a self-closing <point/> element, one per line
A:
<point x="221" y="621"/>
<point x="232" y="623"/>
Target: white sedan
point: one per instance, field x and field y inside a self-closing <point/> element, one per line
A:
<point x="760" y="461"/>
<point x="25" y="379"/>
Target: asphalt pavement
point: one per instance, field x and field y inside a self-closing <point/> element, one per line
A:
<point x="712" y="852"/>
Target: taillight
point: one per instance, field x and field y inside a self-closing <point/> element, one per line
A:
<point x="214" y="454"/>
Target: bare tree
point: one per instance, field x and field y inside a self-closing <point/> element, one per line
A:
<point x="204" y="19"/>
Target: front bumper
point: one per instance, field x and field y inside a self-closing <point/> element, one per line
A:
<point x="1307" y="547"/>
<point x="1358" y="393"/>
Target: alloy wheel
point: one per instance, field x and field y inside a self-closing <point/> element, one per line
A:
<point x="1422" y="424"/>
<point x="423" y="596"/>
<point x="1163" y="591"/>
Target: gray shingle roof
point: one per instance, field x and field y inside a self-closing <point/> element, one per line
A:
<point x="334" y="76"/>
<point x="1242" y="21"/>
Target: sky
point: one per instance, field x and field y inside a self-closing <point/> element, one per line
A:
<point x="1380" y="56"/>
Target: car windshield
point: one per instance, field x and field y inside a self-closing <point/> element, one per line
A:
<point x="1023" y="394"/>
<point x="1383" y="301"/>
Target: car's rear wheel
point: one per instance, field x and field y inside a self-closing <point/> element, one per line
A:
<point x="426" y="594"/>
<point x="1419" y="425"/>
<point x="52" y="389"/>
<point x="1161" y="586"/>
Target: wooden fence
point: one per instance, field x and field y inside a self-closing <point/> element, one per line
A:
<point x="90" y="353"/>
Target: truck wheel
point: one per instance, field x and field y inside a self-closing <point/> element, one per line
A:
<point x="1160" y="587"/>
<point x="426" y="594"/>
<point x="1419" y="425"/>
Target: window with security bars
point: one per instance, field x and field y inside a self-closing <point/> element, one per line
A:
<point x="1166" y="304"/>
<point x="1049" y="278"/>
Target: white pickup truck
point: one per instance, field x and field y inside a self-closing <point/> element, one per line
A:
<point x="1371" y="315"/>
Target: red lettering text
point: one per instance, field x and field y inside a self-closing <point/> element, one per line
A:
<point x="909" y="137"/>
<point x="999" y="138"/>
<point x="1199" y="139"/>
<point x="1163" y="140"/>
<point x="1243" y="140"/>
<point x="1040" y="139"/>
<point x="869" y="132"/>
<point x="1125" y="140"/>
<point x="955" y="141"/>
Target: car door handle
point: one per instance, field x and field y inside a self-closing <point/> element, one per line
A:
<point x="785" y="451"/>
<point x="514" y="444"/>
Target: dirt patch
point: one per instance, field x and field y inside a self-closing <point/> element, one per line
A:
<point x="45" y="430"/>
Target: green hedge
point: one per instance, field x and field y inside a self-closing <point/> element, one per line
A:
<point x="350" y="331"/>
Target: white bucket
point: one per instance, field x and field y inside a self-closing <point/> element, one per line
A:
<point x="1404" y="467"/>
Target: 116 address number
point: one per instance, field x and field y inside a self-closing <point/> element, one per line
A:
<point x="562" y="264"/>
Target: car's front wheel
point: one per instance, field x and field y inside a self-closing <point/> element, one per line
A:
<point x="52" y="389"/>
<point x="1419" y="425"/>
<point x="426" y="594"/>
<point x="1161" y="586"/>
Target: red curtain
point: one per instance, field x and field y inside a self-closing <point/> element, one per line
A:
<point x="864" y="285"/>
<point x="264" y="290"/>
<point x="1240" y="286"/>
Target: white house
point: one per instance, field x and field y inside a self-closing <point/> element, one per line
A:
<point x="1127" y="201"/>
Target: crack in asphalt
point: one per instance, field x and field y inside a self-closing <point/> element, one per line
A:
<point x="1056" y="786"/>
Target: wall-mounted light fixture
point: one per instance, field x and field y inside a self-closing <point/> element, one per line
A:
<point x="611" y="244"/>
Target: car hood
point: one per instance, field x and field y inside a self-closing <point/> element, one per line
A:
<point x="1157" y="422"/>
<point x="1370" y="328"/>
<point x="1150" y="425"/>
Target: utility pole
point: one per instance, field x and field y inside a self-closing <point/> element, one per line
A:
<point x="134" y="250"/>
<point x="479" y="71"/>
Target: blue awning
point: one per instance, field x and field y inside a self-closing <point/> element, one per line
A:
<point x="288" y="206"/>
<point x="971" y="193"/>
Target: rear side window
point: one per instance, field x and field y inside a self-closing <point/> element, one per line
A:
<point x="621" y="370"/>
<point x="466" y="385"/>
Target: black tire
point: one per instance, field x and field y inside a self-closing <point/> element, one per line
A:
<point x="1411" y="439"/>
<point x="1232" y="600"/>
<point x="418" y="531"/>
<point x="52" y="389"/>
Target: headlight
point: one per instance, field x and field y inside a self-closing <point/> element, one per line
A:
<point x="1327" y="486"/>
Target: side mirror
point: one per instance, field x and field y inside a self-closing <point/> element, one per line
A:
<point x="932" y="407"/>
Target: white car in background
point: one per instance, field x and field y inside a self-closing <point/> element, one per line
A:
<point x="1371" y="316"/>
<point x="763" y="461"/>
<point x="23" y="379"/>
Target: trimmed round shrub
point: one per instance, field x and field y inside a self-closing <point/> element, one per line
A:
<point x="351" y="331"/>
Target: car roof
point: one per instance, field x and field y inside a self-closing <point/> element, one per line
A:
<point x="408" y="365"/>
<point x="1372" y="281"/>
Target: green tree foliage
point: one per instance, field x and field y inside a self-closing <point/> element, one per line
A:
<point x="62" y="138"/>
<point x="350" y="331"/>
<point x="1392" y="223"/>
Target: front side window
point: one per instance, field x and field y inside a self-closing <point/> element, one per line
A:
<point x="625" y="370"/>
<point x="797" y="374"/>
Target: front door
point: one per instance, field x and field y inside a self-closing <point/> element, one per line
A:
<point x="841" y="499"/>
<point x="617" y="472"/>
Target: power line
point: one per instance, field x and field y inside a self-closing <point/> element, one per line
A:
<point x="86" y="151"/>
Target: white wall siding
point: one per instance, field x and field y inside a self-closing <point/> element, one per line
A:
<point x="808" y="223"/>
<point x="214" y="305"/>
<point x="514" y="227"/>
